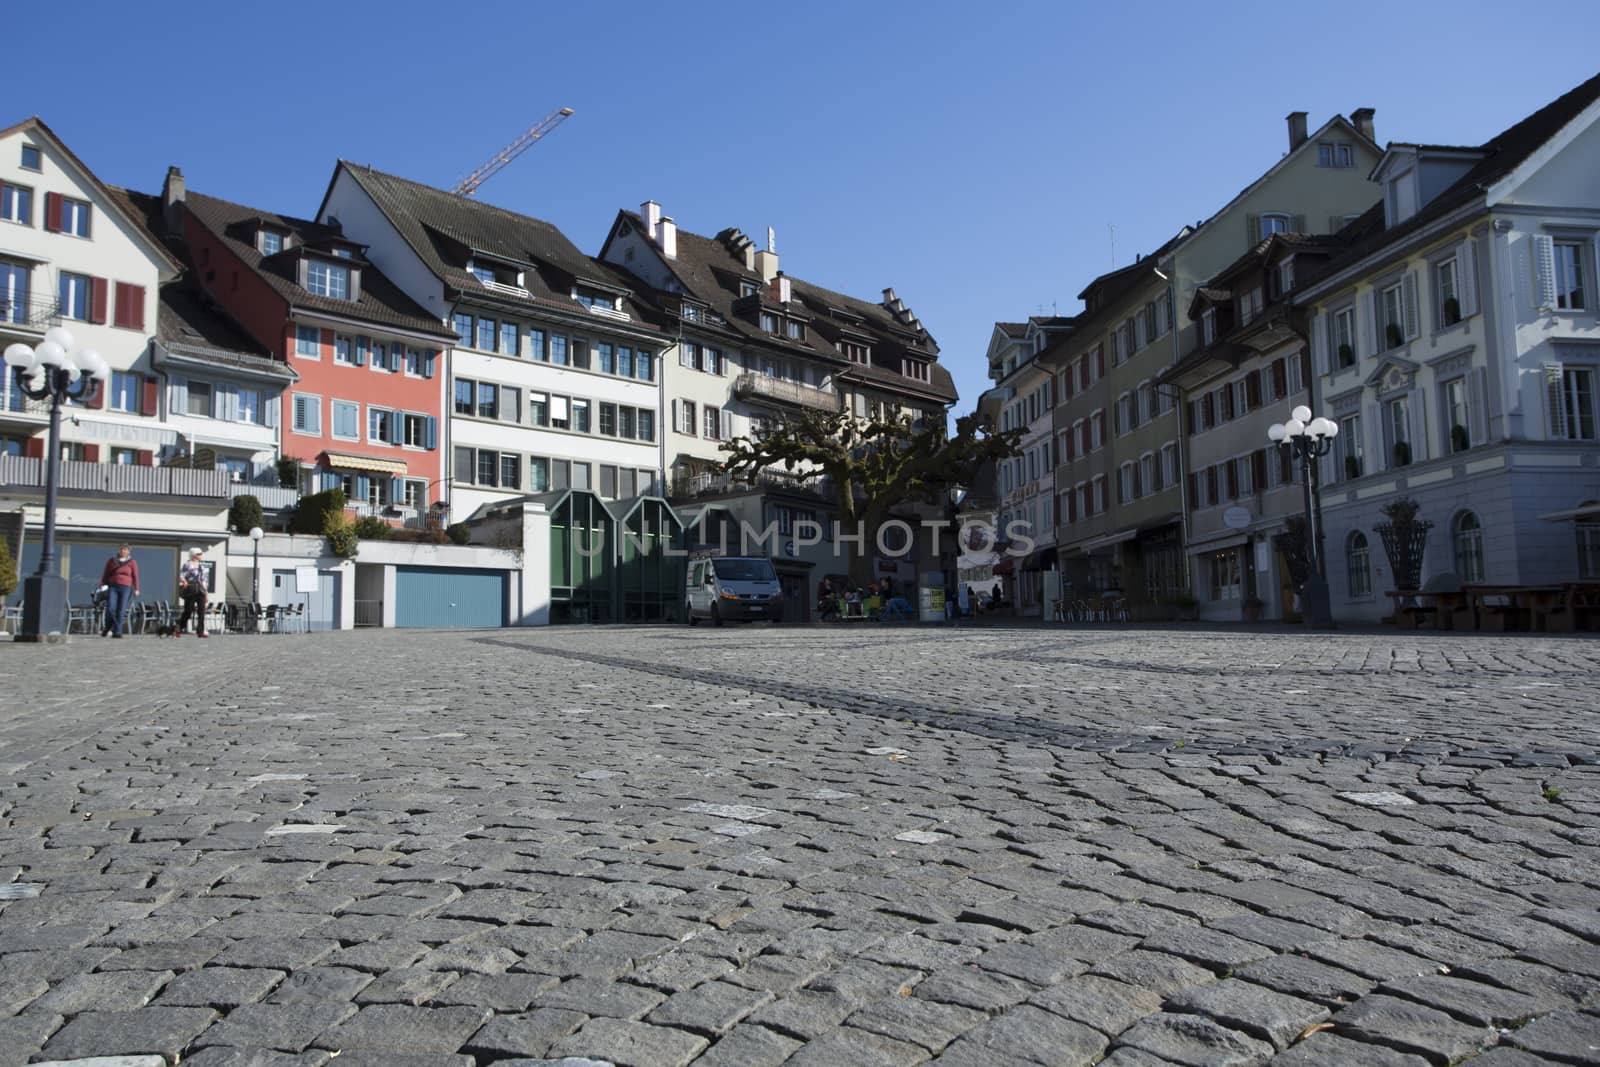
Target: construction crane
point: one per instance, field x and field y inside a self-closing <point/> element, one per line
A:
<point x="469" y="184"/>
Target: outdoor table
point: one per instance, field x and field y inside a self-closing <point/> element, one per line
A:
<point x="1506" y="607"/>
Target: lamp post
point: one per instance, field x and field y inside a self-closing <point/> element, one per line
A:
<point x="1308" y="439"/>
<point x="55" y="371"/>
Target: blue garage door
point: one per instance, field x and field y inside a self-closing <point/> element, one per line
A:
<point x="446" y="596"/>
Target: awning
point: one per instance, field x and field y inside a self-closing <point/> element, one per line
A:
<point x="347" y="461"/>
<point x="1110" y="539"/>
<point x="78" y="428"/>
<point x="1584" y="511"/>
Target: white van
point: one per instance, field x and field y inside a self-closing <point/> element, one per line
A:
<point x="740" y="588"/>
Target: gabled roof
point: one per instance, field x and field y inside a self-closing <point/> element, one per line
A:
<point x="120" y="205"/>
<point x="1502" y="154"/>
<point x="1012" y="329"/>
<point x="444" y="229"/>
<point x="380" y="301"/>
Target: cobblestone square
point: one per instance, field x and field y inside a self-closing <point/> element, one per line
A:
<point x="856" y="846"/>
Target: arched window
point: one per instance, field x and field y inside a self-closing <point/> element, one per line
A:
<point x="1466" y="537"/>
<point x="1588" y="528"/>
<point x="1358" y="565"/>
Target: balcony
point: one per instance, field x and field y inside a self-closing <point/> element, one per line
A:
<point x="29" y="315"/>
<point x="760" y="387"/>
<point x="110" y="478"/>
<point x="686" y="486"/>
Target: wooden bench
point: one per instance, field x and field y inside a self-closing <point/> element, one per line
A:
<point x="1410" y="615"/>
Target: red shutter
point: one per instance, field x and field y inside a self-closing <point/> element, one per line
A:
<point x="1252" y="389"/>
<point x="1211" y="485"/>
<point x="97" y="399"/>
<point x="91" y="453"/>
<point x="149" y="397"/>
<point x="1258" y="469"/>
<point x="129" y="306"/>
<point x="1099" y="363"/>
<point x="1194" y="491"/>
<point x="97" y="299"/>
<point x="1072" y="450"/>
<point x="33" y="448"/>
<point x="52" y="212"/>
<point x="145" y="458"/>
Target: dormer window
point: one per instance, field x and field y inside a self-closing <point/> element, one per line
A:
<point x="1250" y="306"/>
<point x="748" y="289"/>
<point x="769" y="322"/>
<point x="855" y="353"/>
<point x="1285" y="276"/>
<point x="1400" y="198"/>
<point x="483" y="274"/>
<point x="796" y="330"/>
<point x="344" y="253"/>
<point x="271" y="242"/>
<point x="691" y="313"/>
<point x="915" y="369"/>
<point x="594" y="300"/>
<point x="331" y="280"/>
<point x="1208" y="326"/>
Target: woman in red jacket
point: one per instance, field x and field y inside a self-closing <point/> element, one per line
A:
<point x="121" y="579"/>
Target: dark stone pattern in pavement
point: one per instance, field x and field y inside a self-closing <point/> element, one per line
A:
<point x="762" y="846"/>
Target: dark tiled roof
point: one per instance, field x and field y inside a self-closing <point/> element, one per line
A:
<point x="381" y="301"/>
<point x="1013" y="329"/>
<point x="444" y="228"/>
<point x="1502" y="154"/>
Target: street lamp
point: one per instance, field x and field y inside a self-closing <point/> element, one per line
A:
<point x="55" y="371"/>
<point x="256" y="534"/>
<point x="1308" y="439"/>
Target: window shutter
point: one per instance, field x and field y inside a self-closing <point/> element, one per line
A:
<point x="1280" y="379"/>
<point x="1297" y="224"/>
<point x="269" y="410"/>
<point x="428" y="356"/>
<point x="360" y="350"/>
<point x="1322" y="343"/>
<point x="1478" y="405"/>
<point x="1374" y="334"/>
<point x="149" y="396"/>
<point x="1258" y="469"/>
<point x="177" y="395"/>
<point x="1408" y="295"/>
<point x="1252" y="389"/>
<point x="1416" y="412"/>
<point x="726" y="419"/>
<point x="430" y="432"/>
<point x="98" y="398"/>
<point x="144" y="458"/>
<point x="128" y="310"/>
<point x="677" y="421"/>
<point x="1555" y="400"/>
<point x="1252" y="230"/>
<point x="1467" y="273"/>
<point x="1544" y="272"/>
<point x="397" y="357"/>
<point x="52" y="212"/>
<point x="97" y="299"/>
<point x="1099" y="363"/>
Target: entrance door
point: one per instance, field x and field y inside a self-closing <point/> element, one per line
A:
<point x="449" y="596"/>
<point x="321" y="605"/>
<point x="796" y="607"/>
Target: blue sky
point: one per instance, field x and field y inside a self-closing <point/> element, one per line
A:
<point x="972" y="156"/>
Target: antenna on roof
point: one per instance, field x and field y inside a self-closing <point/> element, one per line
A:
<point x="469" y="184"/>
<point x="1113" y="230"/>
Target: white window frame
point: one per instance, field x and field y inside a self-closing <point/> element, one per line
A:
<point x="294" y="413"/>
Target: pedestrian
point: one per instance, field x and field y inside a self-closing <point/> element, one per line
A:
<point x="120" y="579"/>
<point x="969" y="601"/>
<point x="192" y="589"/>
<point x="994" y="594"/>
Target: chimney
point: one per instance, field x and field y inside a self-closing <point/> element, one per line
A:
<point x="668" y="237"/>
<point x="650" y="211"/>
<point x="749" y="248"/>
<point x="1297" y="129"/>
<point x="172" y="196"/>
<point x="888" y="297"/>
<point x="1361" y="119"/>
<point x="766" y="264"/>
<point x="779" y="289"/>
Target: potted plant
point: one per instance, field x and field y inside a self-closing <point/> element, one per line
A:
<point x="1252" y="608"/>
<point x="1460" y="440"/>
<point x="1402" y="453"/>
<point x="1347" y="355"/>
<point x="1352" y="467"/>
<point x="1395" y="336"/>
<point x="1451" y="311"/>
<point x="1404" y="538"/>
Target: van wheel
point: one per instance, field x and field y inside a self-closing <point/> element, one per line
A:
<point x="716" y="616"/>
<point x="688" y="609"/>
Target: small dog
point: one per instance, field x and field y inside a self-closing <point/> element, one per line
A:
<point x="167" y="630"/>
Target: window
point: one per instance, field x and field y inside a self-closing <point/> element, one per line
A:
<point x="558" y="350"/>
<point x="124" y="392"/>
<point x="1227" y="579"/>
<point x="1399" y="425"/>
<point x="1457" y="435"/>
<point x="486" y="334"/>
<point x="1466" y="540"/>
<point x="16" y="203"/>
<point x="414" y="431"/>
<point x="608" y="419"/>
<point x="1250" y="306"/>
<point x="380" y="426"/>
<point x="1358" y="565"/>
<point x="541" y="412"/>
<point x="1169" y="465"/>
<point x="413" y="494"/>
<point x="627" y="422"/>
<point x="30" y="157"/>
<point x="1569" y="276"/>
<point x="510" y="470"/>
<point x="307" y="414"/>
<point x="488" y="400"/>
<point x="644" y="366"/>
<point x="625" y="362"/>
<point x="1125" y="483"/>
<point x="647" y="424"/>
<point x="346" y="420"/>
<point x="603" y="357"/>
<point x="538" y="474"/>
<point x="855" y="353"/>
<point x="1572" y="401"/>
<point x="308" y="342"/>
<point x="580" y="416"/>
<point x="1295" y="373"/>
<point x="608" y="481"/>
<point x="466" y="391"/>
<point x="536" y="345"/>
<point x="508" y="339"/>
<point x="1274" y="222"/>
<point x="713" y="423"/>
<point x="342" y="350"/>
<point x="1208" y="326"/>
<point x="1350" y="446"/>
<point x="74" y="216"/>
<point x="510" y="403"/>
<point x="1344" y="337"/>
<point x="769" y="322"/>
<point x="1447" y="299"/>
<point x="1335" y="154"/>
<point x="124" y="457"/>
<point x="686" y="423"/>
<point x="1392" y="309"/>
<point x="464" y="329"/>
<point x="331" y="280"/>
<point x="414" y="363"/>
<point x="1149" y="475"/>
<point x="75" y="290"/>
<point x="271" y="242"/>
<point x="797" y="330"/>
<point x="1587" y="529"/>
<point x="488" y="467"/>
<point x="198" y="401"/>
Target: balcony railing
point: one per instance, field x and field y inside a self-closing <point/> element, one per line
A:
<point x="707" y="483"/>
<point x="35" y="314"/>
<point x="272" y="497"/>
<point x="28" y="472"/>
<point x="751" y="386"/>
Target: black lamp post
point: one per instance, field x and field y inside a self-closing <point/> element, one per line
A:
<point x="55" y="371"/>
<point x="1308" y="439"/>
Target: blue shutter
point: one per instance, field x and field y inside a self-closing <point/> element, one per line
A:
<point x="427" y="362"/>
<point x="397" y="491"/>
<point x="330" y="480"/>
<point x="362" y="485"/>
<point x="397" y="357"/>
<point x="431" y="432"/>
<point x="361" y="351"/>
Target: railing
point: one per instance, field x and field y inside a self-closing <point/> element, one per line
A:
<point x="762" y="387"/>
<point x="272" y="497"/>
<point x="117" y="478"/>
<point x="30" y="314"/>
<point x="369" y="613"/>
<point x="689" y="486"/>
<point x="502" y="287"/>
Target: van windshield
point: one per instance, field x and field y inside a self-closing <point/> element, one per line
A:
<point x="744" y="570"/>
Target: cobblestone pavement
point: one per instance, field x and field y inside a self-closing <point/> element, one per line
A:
<point x="851" y="846"/>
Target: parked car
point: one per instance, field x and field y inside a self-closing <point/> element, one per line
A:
<point x="737" y="588"/>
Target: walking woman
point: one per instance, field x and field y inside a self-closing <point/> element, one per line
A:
<point x="121" y="580"/>
<point x="192" y="587"/>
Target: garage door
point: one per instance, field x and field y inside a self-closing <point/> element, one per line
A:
<point x="447" y="596"/>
